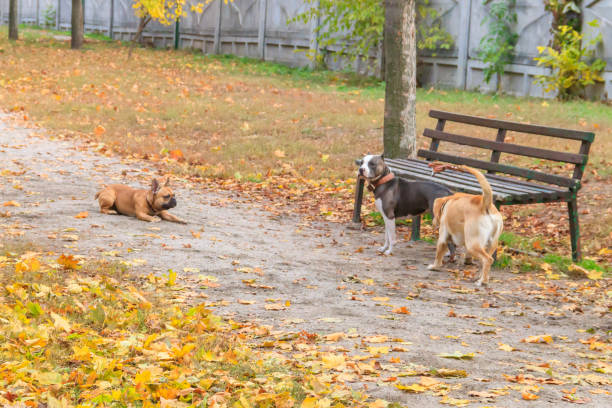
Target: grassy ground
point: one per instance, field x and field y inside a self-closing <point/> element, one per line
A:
<point x="244" y="120"/>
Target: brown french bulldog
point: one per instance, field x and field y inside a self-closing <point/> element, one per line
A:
<point x="145" y="205"/>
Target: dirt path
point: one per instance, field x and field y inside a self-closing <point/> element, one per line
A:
<point x="327" y="279"/>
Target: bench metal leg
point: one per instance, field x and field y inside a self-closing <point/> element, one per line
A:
<point x="416" y="228"/>
<point x="358" y="200"/>
<point x="572" y="212"/>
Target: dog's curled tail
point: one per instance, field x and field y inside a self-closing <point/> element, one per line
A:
<point x="487" y="193"/>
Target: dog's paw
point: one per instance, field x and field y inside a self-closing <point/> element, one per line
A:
<point x="480" y="282"/>
<point x="433" y="267"/>
<point x="155" y="219"/>
<point x="382" y="249"/>
<point x="388" y="252"/>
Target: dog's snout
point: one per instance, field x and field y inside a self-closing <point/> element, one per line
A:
<point x="173" y="202"/>
<point x="361" y="171"/>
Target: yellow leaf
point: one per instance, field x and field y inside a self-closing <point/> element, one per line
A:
<point x="333" y="361"/>
<point x="60" y="323"/>
<point x="454" y="401"/>
<point x="324" y="157"/>
<point x="605" y="251"/>
<point x="414" y="388"/>
<point x="506" y="347"/>
<point x="81" y="353"/>
<point x="142" y="377"/>
<point x="310" y="402"/>
<point x="595" y="275"/>
<point x="11" y="204"/>
<point x="279" y="153"/>
<point x="378" y="350"/>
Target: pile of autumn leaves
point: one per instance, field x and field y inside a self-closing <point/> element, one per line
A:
<point x="87" y="336"/>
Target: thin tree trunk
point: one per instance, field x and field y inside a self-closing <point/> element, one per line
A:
<point x="400" y="75"/>
<point x="13" y="23"/>
<point x="77" y="28"/>
<point x="141" y="26"/>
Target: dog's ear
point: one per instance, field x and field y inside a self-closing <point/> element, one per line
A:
<point x="359" y="162"/>
<point x="382" y="156"/>
<point x="167" y="183"/>
<point x="155" y="186"/>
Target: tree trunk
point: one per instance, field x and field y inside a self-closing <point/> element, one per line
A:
<point x="400" y="75"/>
<point x="13" y="23"/>
<point x="77" y="29"/>
<point x="141" y="26"/>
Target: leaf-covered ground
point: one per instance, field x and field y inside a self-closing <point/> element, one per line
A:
<point x="315" y="297"/>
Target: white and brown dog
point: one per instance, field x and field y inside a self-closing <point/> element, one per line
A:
<point x="396" y="197"/>
<point x="469" y="220"/>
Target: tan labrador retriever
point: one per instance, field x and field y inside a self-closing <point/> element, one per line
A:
<point x="469" y="220"/>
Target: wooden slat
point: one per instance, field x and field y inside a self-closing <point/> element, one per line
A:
<point x="502" y="168"/>
<point x="507" y="147"/>
<point x="492" y="178"/>
<point x="419" y="170"/>
<point x="514" y="126"/>
<point x="501" y="136"/>
<point x="468" y="179"/>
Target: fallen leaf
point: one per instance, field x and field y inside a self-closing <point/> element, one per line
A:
<point x="83" y="214"/>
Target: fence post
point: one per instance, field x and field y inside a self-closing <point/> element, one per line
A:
<point x="217" y="41"/>
<point x="464" y="44"/>
<point x="177" y="35"/>
<point x="111" y="19"/>
<point x="58" y="10"/>
<point x="261" y="34"/>
<point x="37" y="13"/>
<point x="314" y="40"/>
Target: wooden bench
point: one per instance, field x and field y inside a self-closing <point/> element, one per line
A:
<point x="524" y="186"/>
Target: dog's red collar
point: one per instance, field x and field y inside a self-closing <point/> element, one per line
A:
<point x="381" y="181"/>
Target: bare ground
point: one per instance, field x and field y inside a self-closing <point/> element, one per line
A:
<point x="326" y="278"/>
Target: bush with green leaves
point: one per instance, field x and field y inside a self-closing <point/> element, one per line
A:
<point x="497" y="46"/>
<point x="573" y="66"/>
<point x="49" y="16"/>
<point x="356" y="26"/>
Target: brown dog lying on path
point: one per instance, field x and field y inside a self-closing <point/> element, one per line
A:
<point x="470" y="220"/>
<point x="146" y="205"/>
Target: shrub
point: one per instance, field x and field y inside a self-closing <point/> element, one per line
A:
<point x="573" y="66"/>
<point x="497" y="46"/>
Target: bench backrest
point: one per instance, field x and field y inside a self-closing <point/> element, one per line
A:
<point x="499" y="146"/>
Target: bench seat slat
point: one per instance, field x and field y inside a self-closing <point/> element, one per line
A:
<point x="453" y="177"/>
<point x="507" y="147"/>
<point x="422" y="167"/>
<point x="502" y="168"/>
<point x="506" y="191"/>
<point x="514" y="126"/>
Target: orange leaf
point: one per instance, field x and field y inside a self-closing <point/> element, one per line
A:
<point x="99" y="130"/>
<point x="176" y="154"/>
<point x="82" y="214"/>
<point x="401" y="310"/>
<point x="529" y="396"/>
<point x="68" y="262"/>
